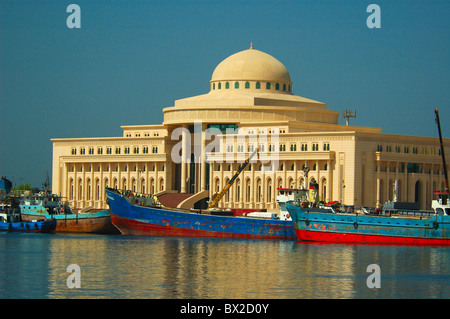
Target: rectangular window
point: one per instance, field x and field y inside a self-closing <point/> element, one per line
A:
<point x="224" y="128"/>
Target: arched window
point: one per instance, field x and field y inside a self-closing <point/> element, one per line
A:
<point x="227" y="85"/>
<point x="277" y="86"/>
<point x="247" y="85"/>
<point x="236" y="85"/>
<point x="268" y="86"/>
<point x="219" y="86"/>
<point x="284" y="87"/>
<point x="258" y="85"/>
<point x="214" y="86"/>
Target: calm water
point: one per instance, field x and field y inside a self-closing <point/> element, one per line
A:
<point x="34" y="266"/>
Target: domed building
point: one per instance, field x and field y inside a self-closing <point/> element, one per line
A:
<point x="205" y="139"/>
<point x="249" y="86"/>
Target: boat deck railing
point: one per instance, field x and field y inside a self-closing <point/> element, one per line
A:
<point x="407" y="213"/>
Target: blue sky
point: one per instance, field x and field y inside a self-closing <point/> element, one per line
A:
<point x="130" y="59"/>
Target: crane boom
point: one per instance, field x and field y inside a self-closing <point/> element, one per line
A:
<point x="219" y="196"/>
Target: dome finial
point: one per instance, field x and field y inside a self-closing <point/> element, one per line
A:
<point x="251" y="45"/>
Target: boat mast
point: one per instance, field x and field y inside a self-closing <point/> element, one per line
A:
<point x="442" y="149"/>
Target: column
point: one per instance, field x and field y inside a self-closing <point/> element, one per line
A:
<point x="263" y="191"/>
<point x="405" y="198"/>
<point x="102" y="188"/>
<point x="378" y="185"/>
<point x="65" y="182"/>
<point x="387" y="185"/>
<point x="128" y="177"/>
<point x="241" y="195"/>
<point x="203" y="160"/>
<point x="296" y="175"/>
<point x="83" y="189"/>
<point x="329" y="181"/>
<point x="252" y="187"/>
<point x="184" y="156"/>
<point x="274" y="187"/>
<point x="318" y="181"/>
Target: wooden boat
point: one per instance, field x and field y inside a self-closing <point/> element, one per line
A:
<point x="46" y="206"/>
<point x="140" y="215"/>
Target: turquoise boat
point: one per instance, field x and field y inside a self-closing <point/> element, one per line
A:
<point x="46" y="206"/>
<point x="389" y="226"/>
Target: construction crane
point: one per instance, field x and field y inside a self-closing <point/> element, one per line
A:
<point x="217" y="197"/>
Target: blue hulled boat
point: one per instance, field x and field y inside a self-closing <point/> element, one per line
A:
<point x="401" y="227"/>
<point x="386" y="227"/>
<point x="12" y="223"/>
<point x="140" y="215"/>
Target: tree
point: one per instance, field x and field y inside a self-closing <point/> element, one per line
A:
<point x="24" y="187"/>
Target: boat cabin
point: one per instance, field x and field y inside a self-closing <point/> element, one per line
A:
<point x="441" y="206"/>
<point x="292" y="195"/>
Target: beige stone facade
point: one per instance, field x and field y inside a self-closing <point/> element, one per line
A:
<point x="250" y="92"/>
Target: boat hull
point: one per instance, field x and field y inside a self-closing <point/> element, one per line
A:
<point x="47" y="226"/>
<point x="97" y="222"/>
<point x="147" y="221"/>
<point x="352" y="228"/>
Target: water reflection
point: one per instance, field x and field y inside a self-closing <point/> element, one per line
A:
<point x="34" y="266"/>
<point x="203" y="268"/>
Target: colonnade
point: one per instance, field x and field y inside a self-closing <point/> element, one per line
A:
<point x="85" y="183"/>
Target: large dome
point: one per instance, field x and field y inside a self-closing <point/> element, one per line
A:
<point x="251" y="70"/>
<point x="250" y="87"/>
